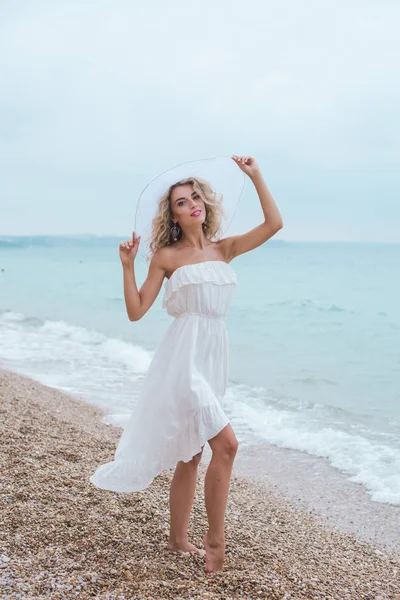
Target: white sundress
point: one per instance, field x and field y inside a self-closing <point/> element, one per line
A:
<point x="179" y="407"/>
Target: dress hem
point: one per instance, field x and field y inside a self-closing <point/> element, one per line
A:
<point x="113" y="476"/>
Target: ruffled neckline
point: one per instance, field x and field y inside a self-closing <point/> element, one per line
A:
<point x="203" y="262"/>
<point x="210" y="271"/>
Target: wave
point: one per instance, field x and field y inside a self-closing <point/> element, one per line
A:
<point x="105" y="371"/>
<point x="370" y="459"/>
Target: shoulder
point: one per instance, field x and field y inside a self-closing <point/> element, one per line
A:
<point x="163" y="258"/>
<point x="159" y="257"/>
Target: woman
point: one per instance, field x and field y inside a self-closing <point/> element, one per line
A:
<point x="180" y="405"/>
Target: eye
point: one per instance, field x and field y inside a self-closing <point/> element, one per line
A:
<point x="179" y="203"/>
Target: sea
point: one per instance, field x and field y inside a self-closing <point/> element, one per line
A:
<point x="314" y="332"/>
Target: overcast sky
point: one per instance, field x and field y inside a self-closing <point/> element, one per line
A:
<point x="97" y="97"/>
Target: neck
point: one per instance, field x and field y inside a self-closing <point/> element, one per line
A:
<point x="195" y="239"/>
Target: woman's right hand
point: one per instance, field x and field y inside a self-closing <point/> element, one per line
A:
<point x="128" y="250"/>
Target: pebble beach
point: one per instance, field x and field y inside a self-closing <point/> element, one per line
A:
<point x="63" y="538"/>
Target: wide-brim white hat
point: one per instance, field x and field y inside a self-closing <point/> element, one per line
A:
<point x="221" y="172"/>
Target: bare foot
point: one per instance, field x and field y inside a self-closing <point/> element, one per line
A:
<point x="185" y="547"/>
<point x="215" y="554"/>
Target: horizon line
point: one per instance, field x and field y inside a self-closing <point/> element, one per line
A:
<point x="115" y="235"/>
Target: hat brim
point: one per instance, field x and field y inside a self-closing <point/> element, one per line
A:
<point x="224" y="176"/>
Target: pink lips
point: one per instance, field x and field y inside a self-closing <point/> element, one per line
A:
<point x="196" y="213"/>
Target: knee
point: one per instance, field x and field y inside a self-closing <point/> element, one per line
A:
<point x="233" y="447"/>
<point x="228" y="448"/>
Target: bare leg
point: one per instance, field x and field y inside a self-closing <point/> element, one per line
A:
<point x="224" y="447"/>
<point x="182" y="492"/>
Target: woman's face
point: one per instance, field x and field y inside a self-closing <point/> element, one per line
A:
<point x="188" y="208"/>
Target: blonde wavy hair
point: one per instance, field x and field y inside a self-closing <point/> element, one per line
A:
<point x="161" y="223"/>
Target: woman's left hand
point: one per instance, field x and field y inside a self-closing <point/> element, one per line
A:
<point x="247" y="164"/>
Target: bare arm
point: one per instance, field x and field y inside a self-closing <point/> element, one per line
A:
<point x="138" y="302"/>
<point x="238" y="244"/>
<point x="131" y="293"/>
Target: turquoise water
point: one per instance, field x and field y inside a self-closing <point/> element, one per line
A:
<point x="314" y="334"/>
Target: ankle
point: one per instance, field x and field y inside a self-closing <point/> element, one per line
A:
<point x="177" y="539"/>
<point x="215" y="540"/>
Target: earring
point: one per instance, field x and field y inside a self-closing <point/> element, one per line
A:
<point x="174" y="231"/>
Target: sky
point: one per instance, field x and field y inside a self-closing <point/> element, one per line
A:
<point x="98" y="97"/>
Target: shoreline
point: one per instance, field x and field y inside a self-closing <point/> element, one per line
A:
<point x="311" y="483"/>
<point x="65" y="536"/>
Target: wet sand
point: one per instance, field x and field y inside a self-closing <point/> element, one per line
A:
<point x="312" y="484"/>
